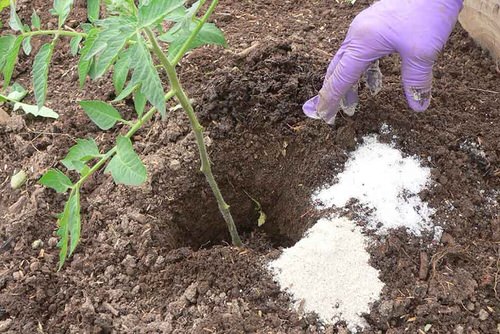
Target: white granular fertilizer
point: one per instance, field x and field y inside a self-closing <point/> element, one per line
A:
<point x="327" y="272"/>
<point x="381" y="179"/>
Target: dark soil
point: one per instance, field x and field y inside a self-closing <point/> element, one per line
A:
<point x="154" y="259"/>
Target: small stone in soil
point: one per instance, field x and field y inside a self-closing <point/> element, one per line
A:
<point x="483" y="315"/>
<point x="459" y="329"/>
<point x="52" y="242"/>
<point x="34" y="266"/>
<point x="174" y="165"/>
<point x="37" y="244"/>
<point x="5" y="325"/>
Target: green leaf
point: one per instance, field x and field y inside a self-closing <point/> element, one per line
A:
<point x="126" y="92"/>
<point x="6" y="43"/>
<point x="69" y="223"/>
<point x="258" y="207"/>
<point x="41" y="71"/>
<point x="114" y="34"/>
<point x="35" y="21"/>
<point x="4" y="4"/>
<point x="35" y="110"/>
<point x="120" y="72"/>
<point x="74" y="43"/>
<point x="139" y="103"/>
<point x="56" y="180"/>
<point x="14" y="21"/>
<point x="27" y="45"/>
<point x="83" y="64"/>
<point x="10" y="61"/>
<point x="155" y="10"/>
<point x="17" y="92"/>
<point x="102" y="114"/>
<point x="176" y="15"/>
<point x="146" y="77"/>
<point x="93" y="7"/>
<point x="208" y="34"/>
<point x="62" y="9"/>
<point x="126" y="166"/>
<point x="83" y="151"/>
<point x="123" y="7"/>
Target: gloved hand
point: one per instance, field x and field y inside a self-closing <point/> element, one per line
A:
<point x="416" y="29"/>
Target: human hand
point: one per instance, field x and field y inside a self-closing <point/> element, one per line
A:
<point x="416" y="29"/>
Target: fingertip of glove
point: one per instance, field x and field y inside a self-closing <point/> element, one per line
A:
<point x="418" y="99"/>
<point x="310" y="108"/>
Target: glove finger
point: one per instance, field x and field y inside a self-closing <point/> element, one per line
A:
<point x="310" y="108"/>
<point x="417" y="80"/>
<point x="333" y="64"/>
<point x="345" y="75"/>
<point x="350" y="101"/>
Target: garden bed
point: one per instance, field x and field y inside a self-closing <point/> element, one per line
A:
<point x="156" y="258"/>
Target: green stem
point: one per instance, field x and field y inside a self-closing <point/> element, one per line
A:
<point x="54" y="32"/>
<point x="135" y="127"/>
<point x="198" y="131"/>
<point x="6" y="98"/>
<point x="195" y="32"/>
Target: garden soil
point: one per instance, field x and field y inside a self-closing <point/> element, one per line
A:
<point x="155" y="258"/>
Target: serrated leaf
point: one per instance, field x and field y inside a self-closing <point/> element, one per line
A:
<point x="14" y="20"/>
<point x="146" y="77"/>
<point x="74" y="44"/>
<point x="126" y="92"/>
<point x="69" y="227"/>
<point x="120" y="72"/>
<point x="62" y="9"/>
<point x="10" y="61"/>
<point x="27" y="45"/>
<point x="139" y="103"/>
<point x="93" y="7"/>
<point x="114" y="34"/>
<point x="6" y="43"/>
<point x="83" y="64"/>
<point x="17" y="92"/>
<point x="155" y="10"/>
<point x="56" y="180"/>
<point x="208" y="34"/>
<point x="35" y="21"/>
<point x="83" y="151"/>
<point x="126" y="166"/>
<point x="102" y="114"/>
<point x="41" y="71"/>
<point x="34" y="110"/>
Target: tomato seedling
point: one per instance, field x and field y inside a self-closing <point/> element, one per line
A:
<point x="124" y="41"/>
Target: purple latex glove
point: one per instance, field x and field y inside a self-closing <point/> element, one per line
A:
<point x="416" y="29"/>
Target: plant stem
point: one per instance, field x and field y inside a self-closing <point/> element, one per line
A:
<point x="198" y="131"/>
<point x="195" y="32"/>
<point x="54" y="32"/>
<point x="135" y="127"/>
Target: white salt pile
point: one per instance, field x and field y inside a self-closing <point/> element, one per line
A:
<point x="328" y="273"/>
<point x="380" y="178"/>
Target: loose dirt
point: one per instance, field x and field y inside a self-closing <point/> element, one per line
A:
<point x="155" y="258"/>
